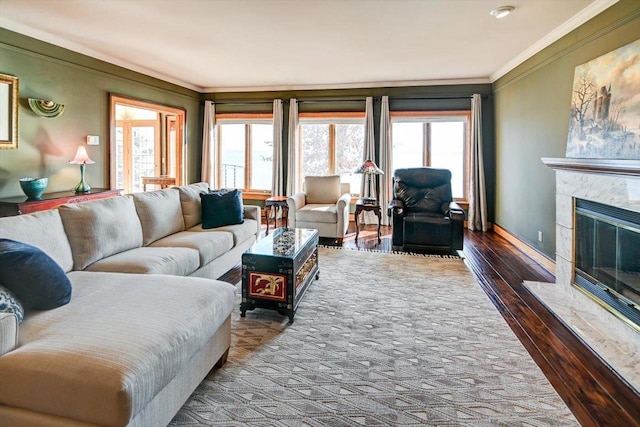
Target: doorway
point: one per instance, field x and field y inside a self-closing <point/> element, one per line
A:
<point x="147" y="145"/>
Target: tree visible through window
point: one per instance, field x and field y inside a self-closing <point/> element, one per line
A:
<point x="331" y="146"/>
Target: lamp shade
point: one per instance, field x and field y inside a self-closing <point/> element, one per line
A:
<point x="81" y="158"/>
<point x="369" y="167"/>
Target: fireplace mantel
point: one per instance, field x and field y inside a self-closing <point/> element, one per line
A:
<point x="600" y="166"/>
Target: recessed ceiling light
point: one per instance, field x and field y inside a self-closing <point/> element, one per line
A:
<point x="501" y="12"/>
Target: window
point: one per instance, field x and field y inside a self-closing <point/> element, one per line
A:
<point x="331" y="144"/>
<point x="437" y="139"/>
<point x="245" y="157"/>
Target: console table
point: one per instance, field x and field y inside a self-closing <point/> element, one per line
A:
<point x="22" y="205"/>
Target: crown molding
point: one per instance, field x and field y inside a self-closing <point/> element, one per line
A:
<point x="565" y="28"/>
<point x="363" y="85"/>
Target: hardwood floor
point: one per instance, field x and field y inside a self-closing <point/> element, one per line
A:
<point x="595" y="395"/>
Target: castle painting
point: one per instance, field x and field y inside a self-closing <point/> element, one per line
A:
<point x="605" y="106"/>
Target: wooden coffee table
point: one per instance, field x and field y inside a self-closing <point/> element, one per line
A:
<point x="278" y="270"/>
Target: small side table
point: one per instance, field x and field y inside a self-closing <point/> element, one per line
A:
<point x="361" y="206"/>
<point x="164" y="181"/>
<point x="274" y="203"/>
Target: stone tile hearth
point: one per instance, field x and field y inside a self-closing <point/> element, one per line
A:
<point x="612" y="339"/>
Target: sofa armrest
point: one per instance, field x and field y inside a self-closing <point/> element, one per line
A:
<point x="396" y="206"/>
<point x="8" y="332"/>
<point x="254" y="212"/>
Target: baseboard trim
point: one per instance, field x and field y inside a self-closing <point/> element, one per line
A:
<point x="532" y="253"/>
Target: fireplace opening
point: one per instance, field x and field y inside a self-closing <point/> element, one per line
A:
<point x="607" y="265"/>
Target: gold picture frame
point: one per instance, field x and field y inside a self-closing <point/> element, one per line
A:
<point x="8" y="112"/>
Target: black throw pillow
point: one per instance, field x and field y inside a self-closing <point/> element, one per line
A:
<point x="36" y="280"/>
<point x="221" y="207"/>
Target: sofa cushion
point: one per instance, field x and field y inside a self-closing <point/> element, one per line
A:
<point x="240" y="232"/>
<point x="160" y="214"/>
<point x="99" y="228"/>
<point x="190" y="201"/>
<point x="318" y="213"/>
<point x="209" y="245"/>
<point x="43" y="230"/>
<point x="10" y="304"/>
<point x="150" y="260"/>
<point x="322" y="189"/>
<point x="32" y="276"/>
<point x="121" y="340"/>
<point x="221" y="207"/>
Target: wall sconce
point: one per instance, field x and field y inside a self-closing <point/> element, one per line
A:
<point x="82" y="159"/>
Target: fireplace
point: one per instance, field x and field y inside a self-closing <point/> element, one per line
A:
<point x="607" y="256"/>
<point x="598" y="258"/>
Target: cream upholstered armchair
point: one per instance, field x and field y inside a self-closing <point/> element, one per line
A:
<point x="323" y="204"/>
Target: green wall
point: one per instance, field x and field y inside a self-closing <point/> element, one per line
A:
<point x="532" y="105"/>
<point x="83" y="85"/>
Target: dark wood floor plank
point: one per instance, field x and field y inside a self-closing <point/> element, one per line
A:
<point x="595" y="395"/>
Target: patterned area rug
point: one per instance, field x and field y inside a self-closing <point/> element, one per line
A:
<point x="378" y="340"/>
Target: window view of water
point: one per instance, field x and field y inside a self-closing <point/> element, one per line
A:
<point x="446" y="144"/>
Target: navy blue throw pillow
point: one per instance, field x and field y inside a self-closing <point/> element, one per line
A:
<point x="36" y="280"/>
<point x="221" y="207"/>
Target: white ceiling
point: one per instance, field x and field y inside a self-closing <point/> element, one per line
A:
<point x="229" y="45"/>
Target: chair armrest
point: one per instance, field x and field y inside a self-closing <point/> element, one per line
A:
<point x="455" y="212"/>
<point x="396" y="206"/>
<point x="8" y="332"/>
<point x="296" y="201"/>
<point x="343" y="201"/>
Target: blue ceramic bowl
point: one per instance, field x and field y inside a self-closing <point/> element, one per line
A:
<point x="34" y="187"/>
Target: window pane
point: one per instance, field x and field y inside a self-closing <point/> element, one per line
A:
<point x="232" y="144"/>
<point x="315" y="149"/>
<point x="447" y="152"/>
<point x="143" y="147"/>
<point x="349" y="151"/>
<point x="119" y="157"/>
<point x="261" y="156"/>
<point x="407" y="145"/>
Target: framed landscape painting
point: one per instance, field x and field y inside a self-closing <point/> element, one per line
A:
<point x="605" y="106"/>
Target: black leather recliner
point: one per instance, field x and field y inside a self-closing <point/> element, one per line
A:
<point x="424" y="215"/>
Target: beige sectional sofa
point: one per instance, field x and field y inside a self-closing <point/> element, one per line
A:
<point x="145" y="323"/>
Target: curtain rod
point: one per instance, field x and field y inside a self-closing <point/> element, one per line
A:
<point x="320" y="100"/>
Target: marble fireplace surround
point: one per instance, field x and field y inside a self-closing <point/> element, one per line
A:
<point x="611" y="182"/>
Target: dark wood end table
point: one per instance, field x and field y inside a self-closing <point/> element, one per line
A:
<point x="362" y="206"/>
<point x="274" y="203"/>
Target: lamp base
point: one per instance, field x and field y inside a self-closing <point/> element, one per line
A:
<point x="82" y="187"/>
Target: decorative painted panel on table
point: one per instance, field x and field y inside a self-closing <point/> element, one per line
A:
<point x="605" y="106"/>
<point x="270" y="286"/>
